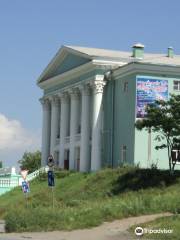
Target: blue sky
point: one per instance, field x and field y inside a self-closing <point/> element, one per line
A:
<point x="32" y="32"/>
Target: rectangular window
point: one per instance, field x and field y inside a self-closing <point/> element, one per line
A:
<point x="125" y="87"/>
<point x="124" y="153"/>
<point x="175" y="156"/>
<point x="176" y="86"/>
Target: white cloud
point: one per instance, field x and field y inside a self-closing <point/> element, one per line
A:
<point x="14" y="137"/>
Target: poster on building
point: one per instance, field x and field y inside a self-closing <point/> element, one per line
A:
<point x="148" y="90"/>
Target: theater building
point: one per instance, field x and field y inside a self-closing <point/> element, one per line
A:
<point x="91" y="100"/>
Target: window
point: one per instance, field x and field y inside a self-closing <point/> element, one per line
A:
<point x="124" y="150"/>
<point x="79" y="129"/>
<point x="125" y="87"/>
<point x="176" y="86"/>
<point x="175" y="156"/>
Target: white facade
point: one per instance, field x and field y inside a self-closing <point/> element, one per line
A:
<point x="72" y="126"/>
<point x="73" y="85"/>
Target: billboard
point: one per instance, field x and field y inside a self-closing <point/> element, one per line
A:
<point x="148" y="90"/>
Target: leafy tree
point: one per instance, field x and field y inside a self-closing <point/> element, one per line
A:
<point x="1" y="164"/>
<point x="30" y="161"/>
<point x="163" y="117"/>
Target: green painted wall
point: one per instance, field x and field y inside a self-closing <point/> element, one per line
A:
<point x="5" y="188"/>
<point x="138" y="52"/>
<point x="124" y="132"/>
<point x="124" y="115"/>
<point x="107" y="125"/>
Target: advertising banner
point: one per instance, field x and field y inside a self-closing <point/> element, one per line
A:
<point x="148" y="90"/>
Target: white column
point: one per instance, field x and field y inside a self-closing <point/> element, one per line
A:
<point x="46" y="131"/>
<point x="98" y="86"/>
<point x="64" y="122"/>
<point x="75" y="98"/>
<point x="55" y="111"/>
<point x="85" y="162"/>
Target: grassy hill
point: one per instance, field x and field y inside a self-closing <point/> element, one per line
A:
<point x="168" y="223"/>
<point x="84" y="200"/>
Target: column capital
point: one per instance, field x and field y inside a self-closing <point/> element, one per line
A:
<point x="45" y="103"/>
<point x="74" y="93"/>
<point x="85" y="89"/>
<point x="98" y="86"/>
<point x="55" y="100"/>
<point x="64" y="97"/>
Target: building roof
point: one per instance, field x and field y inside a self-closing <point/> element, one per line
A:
<point x="114" y="58"/>
<point x="115" y="54"/>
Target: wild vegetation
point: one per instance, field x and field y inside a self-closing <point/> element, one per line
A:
<point x="167" y="223"/>
<point x="30" y="161"/>
<point x="83" y="200"/>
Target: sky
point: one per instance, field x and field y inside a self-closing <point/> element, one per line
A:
<point x="31" y="32"/>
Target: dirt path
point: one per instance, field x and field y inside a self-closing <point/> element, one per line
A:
<point x="116" y="230"/>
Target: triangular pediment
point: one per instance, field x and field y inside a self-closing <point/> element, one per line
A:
<point x="66" y="59"/>
<point x="70" y="61"/>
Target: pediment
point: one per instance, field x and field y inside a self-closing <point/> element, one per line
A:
<point x="71" y="61"/>
<point x="64" y="61"/>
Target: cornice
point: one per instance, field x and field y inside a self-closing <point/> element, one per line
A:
<point x="77" y="53"/>
<point x="108" y="62"/>
<point x="135" y="67"/>
<point x="60" y="54"/>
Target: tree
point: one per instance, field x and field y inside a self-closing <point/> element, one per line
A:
<point x="1" y="164"/>
<point x="163" y="117"/>
<point x="30" y="161"/>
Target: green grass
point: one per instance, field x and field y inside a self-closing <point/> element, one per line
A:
<point x="168" y="223"/>
<point x="84" y="200"/>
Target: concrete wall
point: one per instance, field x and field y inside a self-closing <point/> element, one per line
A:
<point x="124" y="115"/>
<point x="124" y="132"/>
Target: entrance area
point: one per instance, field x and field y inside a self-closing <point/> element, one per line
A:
<point x="66" y="159"/>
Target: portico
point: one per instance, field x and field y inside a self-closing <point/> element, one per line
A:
<point x="74" y="85"/>
<point x="72" y="126"/>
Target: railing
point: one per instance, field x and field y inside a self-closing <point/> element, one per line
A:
<point x="78" y="137"/>
<point x="8" y="183"/>
<point x="33" y="175"/>
<point x="57" y="141"/>
<point x="67" y="139"/>
<point x="15" y="181"/>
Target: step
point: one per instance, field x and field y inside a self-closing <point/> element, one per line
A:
<point x="2" y="226"/>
